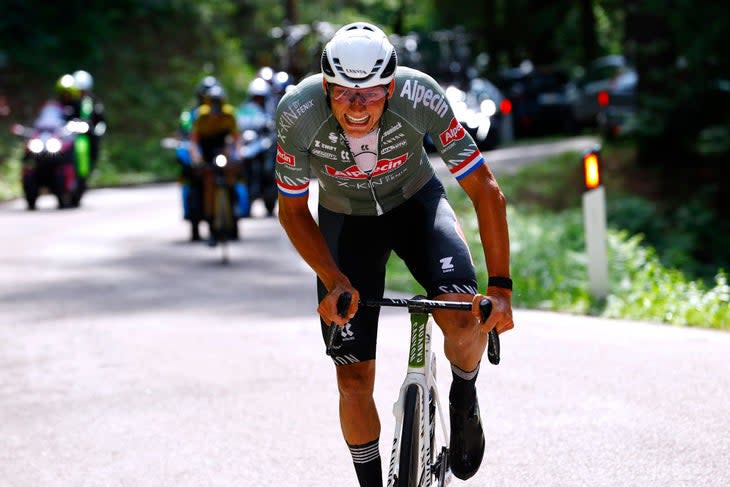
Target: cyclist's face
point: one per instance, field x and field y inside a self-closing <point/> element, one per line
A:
<point x="358" y="110"/>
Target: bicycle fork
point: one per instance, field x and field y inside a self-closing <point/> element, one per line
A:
<point x="422" y="373"/>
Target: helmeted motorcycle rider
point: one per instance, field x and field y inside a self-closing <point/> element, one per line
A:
<point x="69" y="96"/>
<point x="91" y="111"/>
<point x="255" y="118"/>
<point x="54" y="169"/>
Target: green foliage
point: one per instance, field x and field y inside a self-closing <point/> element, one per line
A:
<point x="549" y="270"/>
<point x="548" y="258"/>
<point x="10" y="153"/>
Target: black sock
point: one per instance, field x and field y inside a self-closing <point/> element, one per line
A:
<point x="463" y="390"/>
<point x="366" y="459"/>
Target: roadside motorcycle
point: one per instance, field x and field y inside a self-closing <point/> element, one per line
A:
<point x="257" y="156"/>
<point x="49" y="160"/>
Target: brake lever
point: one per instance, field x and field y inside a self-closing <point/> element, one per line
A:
<point x="485" y="306"/>
<point x="334" y="336"/>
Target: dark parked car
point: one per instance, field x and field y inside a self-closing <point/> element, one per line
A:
<point x="600" y="75"/>
<point x="617" y="105"/>
<point x="542" y="99"/>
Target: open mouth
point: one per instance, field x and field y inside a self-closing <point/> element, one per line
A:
<point x="357" y="120"/>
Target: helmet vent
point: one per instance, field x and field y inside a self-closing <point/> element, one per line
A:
<point x="390" y="67"/>
<point x="326" y="66"/>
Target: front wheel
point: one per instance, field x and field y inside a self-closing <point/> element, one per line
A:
<point x="223" y="220"/>
<point x="409" y="464"/>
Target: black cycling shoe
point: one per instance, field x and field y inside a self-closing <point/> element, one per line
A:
<point x="466" y="447"/>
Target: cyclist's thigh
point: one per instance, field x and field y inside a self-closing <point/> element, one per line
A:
<point x="359" y="246"/>
<point x="430" y="241"/>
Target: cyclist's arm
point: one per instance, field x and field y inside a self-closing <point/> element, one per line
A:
<point x="195" y="155"/>
<point x="307" y="239"/>
<point x="491" y="209"/>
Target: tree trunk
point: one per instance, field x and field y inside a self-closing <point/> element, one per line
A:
<point x="588" y="34"/>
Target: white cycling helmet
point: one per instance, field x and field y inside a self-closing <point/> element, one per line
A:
<point x="359" y="55"/>
<point x="83" y="80"/>
<point x="259" y="87"/>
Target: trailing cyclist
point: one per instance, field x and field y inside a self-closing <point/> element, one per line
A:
<point x="192" y="184"/>
<point x="359" y="128"/>
<point x="215" y="132"/>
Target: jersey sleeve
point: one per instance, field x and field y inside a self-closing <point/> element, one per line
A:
<point x="292" y="155"/>
<point x="455" y="145"/>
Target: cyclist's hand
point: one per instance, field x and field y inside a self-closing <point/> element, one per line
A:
<point x="501" y="316"/>
<point x="327" y="308"/>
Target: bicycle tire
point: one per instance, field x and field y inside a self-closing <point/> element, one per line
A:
<point x="223" y="215"/>
<point x="410" y="441"/>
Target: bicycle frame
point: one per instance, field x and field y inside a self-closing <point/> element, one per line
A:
<point x="422" y="373"/>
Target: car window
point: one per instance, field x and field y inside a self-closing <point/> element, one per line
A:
<point x="549" y="82"/>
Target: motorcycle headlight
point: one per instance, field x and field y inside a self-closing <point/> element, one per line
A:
<point x="35" y="146"/>
<point x="221" y="160"/>
<point x="53" y="145"/>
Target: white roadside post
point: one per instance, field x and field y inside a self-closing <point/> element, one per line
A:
<point x="594" y="221"/>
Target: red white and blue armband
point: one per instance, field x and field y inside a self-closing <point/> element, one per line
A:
<point x="469" y="164"/>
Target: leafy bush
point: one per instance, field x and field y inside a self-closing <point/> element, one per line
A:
<point x="548" y="258"/>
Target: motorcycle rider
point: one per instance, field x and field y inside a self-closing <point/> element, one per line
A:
<point x="54" y="114"/>
<point x="255" y="118"/>
<point x="280" y="83"/>
<point x="69" y="96"/>
<point x="214" y="131"/>
<point x="91" y="111"/>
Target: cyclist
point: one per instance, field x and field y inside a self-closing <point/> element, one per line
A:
<point x="359" y="127"/>
<point x="192" y="184"/>
<point x="214" y="132"/>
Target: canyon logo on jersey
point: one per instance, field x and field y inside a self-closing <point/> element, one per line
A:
<point x="453" y="133"/>
<point x="282" y="157"/>
<point x="383" y="166"/>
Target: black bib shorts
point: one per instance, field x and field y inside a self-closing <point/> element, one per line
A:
<point x="422" y="231"/>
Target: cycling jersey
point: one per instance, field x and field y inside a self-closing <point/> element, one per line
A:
<point x="423" y="232"/>
<point x="208" y="124"/>
<point x="211" y="129"/>
<point x="311" y="142"/>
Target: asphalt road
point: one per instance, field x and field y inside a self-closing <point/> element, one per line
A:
<point x="130" y="357"/>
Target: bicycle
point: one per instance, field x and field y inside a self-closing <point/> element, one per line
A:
<point x="224" y="225"/>
<point x="412" y="461"/>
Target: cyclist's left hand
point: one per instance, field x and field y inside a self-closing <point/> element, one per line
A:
<point x="501" y="316"/>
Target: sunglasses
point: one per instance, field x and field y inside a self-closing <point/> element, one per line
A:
<point x="367" y="96"/>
